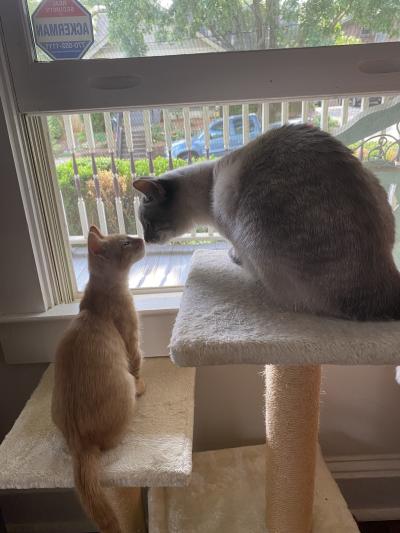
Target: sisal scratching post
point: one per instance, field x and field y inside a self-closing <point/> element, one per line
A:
<point x="291" y="420"/>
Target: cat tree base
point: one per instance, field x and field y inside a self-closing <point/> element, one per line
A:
<point x="226" y="495"/>
<point x="128" y="505"/>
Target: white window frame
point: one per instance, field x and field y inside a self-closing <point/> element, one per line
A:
<point x="214" y="77"/>
<point x="69" y="86"/>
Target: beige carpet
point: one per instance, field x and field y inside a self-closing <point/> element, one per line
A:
<point x="157" y="451"/>
<point x="226" y="495"/>
<point x="224" y="319"/>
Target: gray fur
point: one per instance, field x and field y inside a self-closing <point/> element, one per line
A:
<point x="303" y="215"/>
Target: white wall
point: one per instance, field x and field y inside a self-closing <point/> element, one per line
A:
<point x="360" y="411"/>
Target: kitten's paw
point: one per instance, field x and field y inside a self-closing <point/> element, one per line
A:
<point x="140" y="386"/>
<point x="234" y="257"/>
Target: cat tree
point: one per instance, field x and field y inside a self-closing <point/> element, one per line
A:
<point x="156" y="451"/>
<point x="224" y="319"/>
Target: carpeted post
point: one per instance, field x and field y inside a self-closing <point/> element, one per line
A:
<point x="291" y="421"/>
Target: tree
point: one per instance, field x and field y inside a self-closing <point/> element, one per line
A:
<point x="131" y="20"/>
<point x="320" y="22"/>
<point x="247" y="24"/>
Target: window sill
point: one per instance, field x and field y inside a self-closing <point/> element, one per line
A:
<point x="33" y="338"/>
<point x="146" y="304"/>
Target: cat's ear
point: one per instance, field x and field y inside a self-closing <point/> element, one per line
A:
<point x="95" y="243"/>
<point x="152" y="189"/>
<point x="95" y="229"/>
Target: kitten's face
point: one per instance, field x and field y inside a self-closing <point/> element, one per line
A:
<point x="113" y="255"/>
<point x="159" y="212"/>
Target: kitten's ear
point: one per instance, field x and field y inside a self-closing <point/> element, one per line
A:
<point x="152" y="189"/>
<point x="95" y="243"/>
<point x="95" y="229"/>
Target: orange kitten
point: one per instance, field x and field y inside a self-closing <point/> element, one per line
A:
<point x="97" y="369"/>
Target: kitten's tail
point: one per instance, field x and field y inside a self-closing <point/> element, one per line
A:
<point x="92" y="496"/>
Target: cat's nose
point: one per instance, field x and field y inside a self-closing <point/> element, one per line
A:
<point x="137" y="243"/>
<point x="149" y="236"/>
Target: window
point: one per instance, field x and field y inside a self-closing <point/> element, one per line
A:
<point x="95" y="125"/>
<point x="86" y="146"/>
<point x="173" y="27"/>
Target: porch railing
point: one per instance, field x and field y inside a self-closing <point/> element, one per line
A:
<point x="113" y="149"/>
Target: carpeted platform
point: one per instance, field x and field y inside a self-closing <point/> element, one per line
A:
<point x="227" y="495"/>
<point x="225" y="319"/>
<point x="157" y="451"/>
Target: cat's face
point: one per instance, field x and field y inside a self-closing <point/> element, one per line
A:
<point x="159" y="212"/>
<point x="113" y="255"/>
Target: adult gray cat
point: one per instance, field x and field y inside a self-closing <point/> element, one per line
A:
<point x="303" y="215"/>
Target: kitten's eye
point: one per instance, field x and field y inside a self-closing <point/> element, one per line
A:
<point x="126" y="243"/>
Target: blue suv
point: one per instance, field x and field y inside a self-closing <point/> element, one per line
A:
<point x="180" y="149"/>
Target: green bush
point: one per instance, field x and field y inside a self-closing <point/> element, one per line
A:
<point x="65" y="176"/>
<point x="237" y="109"/>
<point x="332" y="122"/>
<point x="98" y="122"/>
<point x="81" y="137"/>
<point x="157" y="133"/>
<point x="100" y="137"/>
<point x="372" y="150"/>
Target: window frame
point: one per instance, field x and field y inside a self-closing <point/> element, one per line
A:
<point x="300" y="73"/>
<point x="32" y="291"/>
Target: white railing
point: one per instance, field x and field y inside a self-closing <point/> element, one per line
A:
<point x="139" y="137"/>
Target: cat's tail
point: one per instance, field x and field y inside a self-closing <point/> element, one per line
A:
<point x="92" y="496"/>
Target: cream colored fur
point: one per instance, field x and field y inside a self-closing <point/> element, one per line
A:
<point x="97" y="370"/>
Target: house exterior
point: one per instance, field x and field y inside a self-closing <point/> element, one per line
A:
<point x="103" y="48"/>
